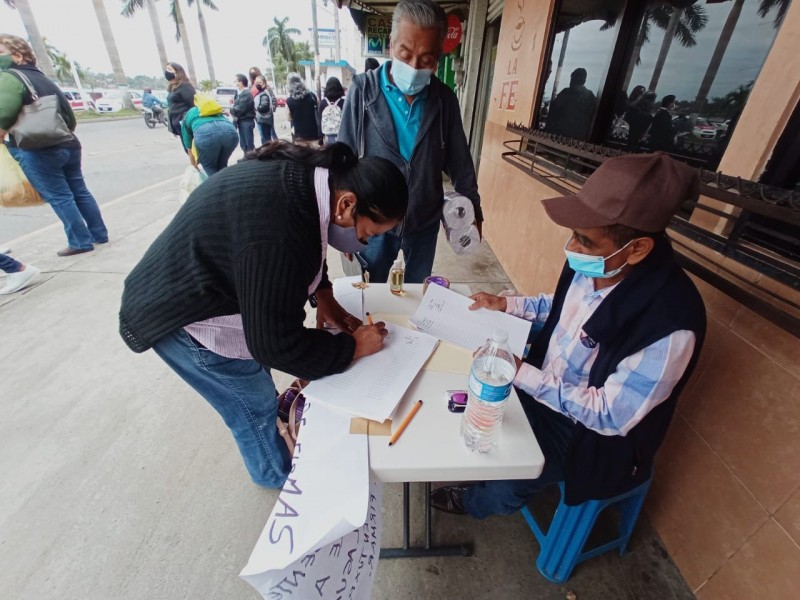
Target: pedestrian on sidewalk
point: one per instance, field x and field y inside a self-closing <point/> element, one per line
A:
<point x="330" y="110"/>
<point x="18" y="275"/>
<point x="180" y="97"/>
<point x="302" y="106"/>
<point x="54" y="171"/>
<point x="220" y="294"/>
<point x="213" y="135"/>
<point x="265" y="111"/>
<point x="244" y="114"/>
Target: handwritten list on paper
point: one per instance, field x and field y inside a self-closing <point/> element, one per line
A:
<point x="373" y="385"/>
<point x="445" y="314"/>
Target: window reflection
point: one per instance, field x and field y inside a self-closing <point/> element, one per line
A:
<point x="689" y="76"/>
<point x="585" y="35"/>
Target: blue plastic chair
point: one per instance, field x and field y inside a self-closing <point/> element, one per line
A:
<point x="562" y="545"/>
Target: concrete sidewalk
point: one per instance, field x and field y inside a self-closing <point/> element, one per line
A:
<point x="120" y="483"/>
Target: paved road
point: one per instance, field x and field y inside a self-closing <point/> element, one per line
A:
<point x="119" y="157"/>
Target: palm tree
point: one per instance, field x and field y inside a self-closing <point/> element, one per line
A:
<point x="32" y="29"/>
<point x="182" y="36"/>
<point x="280" y="41"/>
<point x="129" y="8"/>
<point x="108" y="40"/>
<point x="204" y="33"/>
<point x="62" y="64"/>
<point x="716" y="57"/>
<point x="683" y="24"/>
<point x="766" y="6"/>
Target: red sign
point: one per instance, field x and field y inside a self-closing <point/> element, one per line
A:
<point x="454" y="33"/>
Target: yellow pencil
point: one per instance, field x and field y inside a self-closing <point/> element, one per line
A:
<point x="405" y="422"/>
<point x="369" y="319"/>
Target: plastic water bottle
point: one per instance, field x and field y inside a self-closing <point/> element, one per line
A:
<point x="490" y="379"/>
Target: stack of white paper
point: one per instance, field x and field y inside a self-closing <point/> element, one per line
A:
<point x="445" y="314"/>
<point x="373" y="385"/>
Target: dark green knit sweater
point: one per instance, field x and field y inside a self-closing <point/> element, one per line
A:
<point x="247" y="241"/>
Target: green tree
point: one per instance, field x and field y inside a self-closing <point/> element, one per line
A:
<point x="279" y="39"/>
<point x="61" y="64"/>
<point x="281" y="69"/>
<point x="36" y="39"/>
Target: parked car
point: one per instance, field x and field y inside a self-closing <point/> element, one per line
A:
<point x="224" y="95"/>
<point x="704" y="130"/>
<point x="109" y="103"/>
<point x="76" y="101"/>
<point x="113" y="102"/>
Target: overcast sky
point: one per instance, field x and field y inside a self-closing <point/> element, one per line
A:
<point x="590" y="48"/>
<point x="235" y="33"/>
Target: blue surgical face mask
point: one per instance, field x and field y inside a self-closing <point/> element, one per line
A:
<point x="410" y="81"/>
<point x="592" y="266"/>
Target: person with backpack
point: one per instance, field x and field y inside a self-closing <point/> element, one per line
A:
<point x="330" y="110"/>
<point x="265" y="111"/>
<point x="213" y="136"/>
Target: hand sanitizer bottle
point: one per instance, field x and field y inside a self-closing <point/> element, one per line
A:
<point x="397" y="275"/>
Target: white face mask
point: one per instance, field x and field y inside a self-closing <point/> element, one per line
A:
<point x="409" y="81"/>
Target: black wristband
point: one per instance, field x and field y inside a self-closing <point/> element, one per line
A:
<point x="312" y="300"/>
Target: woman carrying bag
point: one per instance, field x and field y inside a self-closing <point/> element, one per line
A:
<point x="53" y="168"/>
<point x="220" y="294"/>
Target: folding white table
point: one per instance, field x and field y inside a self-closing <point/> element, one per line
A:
<point x="431" y="447"/>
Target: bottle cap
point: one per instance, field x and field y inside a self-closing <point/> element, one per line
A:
<point x="500" y="336"/>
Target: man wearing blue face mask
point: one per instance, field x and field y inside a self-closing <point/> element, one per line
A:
<point x="401" y="112"/>
<point x="614" y="345"/>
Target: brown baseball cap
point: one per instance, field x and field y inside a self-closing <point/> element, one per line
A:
<point x="641" y="191"/>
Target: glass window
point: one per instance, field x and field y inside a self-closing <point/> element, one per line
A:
<point x="681" y="87"/>
<point x="688" y="76"/>
<point x="584" y="41"/>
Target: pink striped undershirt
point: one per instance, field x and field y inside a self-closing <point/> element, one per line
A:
<point x="225" y="335"/>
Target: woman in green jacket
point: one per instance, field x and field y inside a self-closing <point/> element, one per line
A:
<point x="214" y="137"/>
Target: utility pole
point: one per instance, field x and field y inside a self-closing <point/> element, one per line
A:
<point x="338" y="47"/>
<point x="316" y="48"/>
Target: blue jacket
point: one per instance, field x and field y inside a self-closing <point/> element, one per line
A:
<point x="441" y="146"/>
<point x="149" y="100"/>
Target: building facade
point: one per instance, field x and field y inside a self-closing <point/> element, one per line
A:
<point x="726" y="495"/>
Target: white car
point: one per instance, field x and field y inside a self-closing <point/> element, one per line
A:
<point x="113" y="102"/>
<point x="224" y="95"/>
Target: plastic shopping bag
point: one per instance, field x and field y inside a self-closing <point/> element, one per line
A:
<point x="15" y="189"/>
<point x="191" y="180"/>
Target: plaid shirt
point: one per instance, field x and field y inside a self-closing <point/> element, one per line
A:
<point x="640" y="382"/>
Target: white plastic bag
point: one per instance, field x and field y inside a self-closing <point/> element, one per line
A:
<point x="458" y="219"/>
<point x="191" y="180"/>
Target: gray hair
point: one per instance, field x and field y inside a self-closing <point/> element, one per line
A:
<point x="296" y="86"/>
<point x="425" y="14"/>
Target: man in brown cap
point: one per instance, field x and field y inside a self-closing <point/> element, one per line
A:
<point x="614" y="345"/>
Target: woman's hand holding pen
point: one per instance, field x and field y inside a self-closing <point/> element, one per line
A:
<point x="369" y="339"/>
